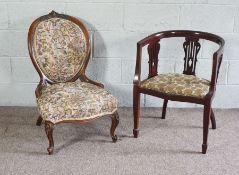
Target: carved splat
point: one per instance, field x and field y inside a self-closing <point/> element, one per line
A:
<point x="191" y="48"/>
<point x="153" y="51"/>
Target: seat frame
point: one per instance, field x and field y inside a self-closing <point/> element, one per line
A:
<point x="45" y="81"/>
<point x="191" y="37"/>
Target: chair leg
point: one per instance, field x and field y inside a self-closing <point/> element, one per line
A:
<point x="213" y="120"/>
<point x="206" y="116"/>
<point x="39" y="121"/>
<point x="49" y="127"/>
<point x="165" y="103"/>
<point x="115" y="122"/>
<point x="136" y="108"/>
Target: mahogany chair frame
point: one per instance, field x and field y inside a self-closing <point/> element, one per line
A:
<point x="44" y="80"/>
<point x="153" y="42"/>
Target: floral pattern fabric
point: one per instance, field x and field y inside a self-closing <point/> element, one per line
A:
<point x="59" y="48"/>
<point x="178" y="84"/>
<point x="75" y="101"/>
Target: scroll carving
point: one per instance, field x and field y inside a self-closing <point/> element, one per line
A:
<point x="153" y="51"/>
<point x="191" y="48"/>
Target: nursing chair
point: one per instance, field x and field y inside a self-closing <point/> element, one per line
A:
<point x="59" y="47"/>
<point x="185" y="87"/>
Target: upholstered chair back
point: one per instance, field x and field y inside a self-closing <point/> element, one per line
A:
<point x="60" y="47"/>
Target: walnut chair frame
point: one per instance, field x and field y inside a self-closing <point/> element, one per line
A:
<point x="44" y="80"/>
<point x="191" y="38"/>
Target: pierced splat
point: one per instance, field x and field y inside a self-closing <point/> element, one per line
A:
<point x="191" y="48"/>
<point x="153" y="51"/>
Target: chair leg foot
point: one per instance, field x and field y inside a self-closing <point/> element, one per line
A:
<point x="136" y="133"/>
<point x="204" y="148"/>
<point x="49" y="127"/>
<point x="165" y="103"/>
<point x="39" y="121"/>
<point x="115" y="122"/>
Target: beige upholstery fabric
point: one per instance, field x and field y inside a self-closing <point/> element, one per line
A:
<point x="75" y="101"/>
<point x="59" y="48"/>
<point x="178" y="84"/>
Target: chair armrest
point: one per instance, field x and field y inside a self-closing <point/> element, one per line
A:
<point x="39" y="88"/>
<point x="137" y="74"/>
<point x="217" y="60"/>
<point x="150" y="39"/>
<point x="84" y="78"/>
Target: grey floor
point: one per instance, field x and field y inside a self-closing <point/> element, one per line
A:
<point x="170" y="146"/>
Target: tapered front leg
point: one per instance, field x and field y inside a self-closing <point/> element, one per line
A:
<point x="49" y="127"/>
<point x="39" y="121"/>
<point x="136" y="108"/>
<point x="115" y="122"/>
<point x="206" y="116"/>
<point x="165" y="103"/>
<point x="213" y="120"/>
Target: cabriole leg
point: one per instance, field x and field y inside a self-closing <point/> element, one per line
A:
<point x="115" y="122"/>
<point x="49" y="127"/>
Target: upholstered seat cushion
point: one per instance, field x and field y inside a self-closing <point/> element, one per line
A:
<point x="178" y="84"/>
<point x="75" y="101"/>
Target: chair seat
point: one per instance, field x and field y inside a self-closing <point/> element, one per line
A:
<point x="178" y="84"/>
<point x="75" y="101"/>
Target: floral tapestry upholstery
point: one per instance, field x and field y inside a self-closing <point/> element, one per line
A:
<point x="75" y="101"/>
<point x="178" y="84"/>
<point x="59" y="48"/>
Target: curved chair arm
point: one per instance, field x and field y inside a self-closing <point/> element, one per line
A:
<point x="138" y="65"/>
<point x="84" y="78"/>
<point x="217" y="60"/>
<point x="149" y="39"/>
